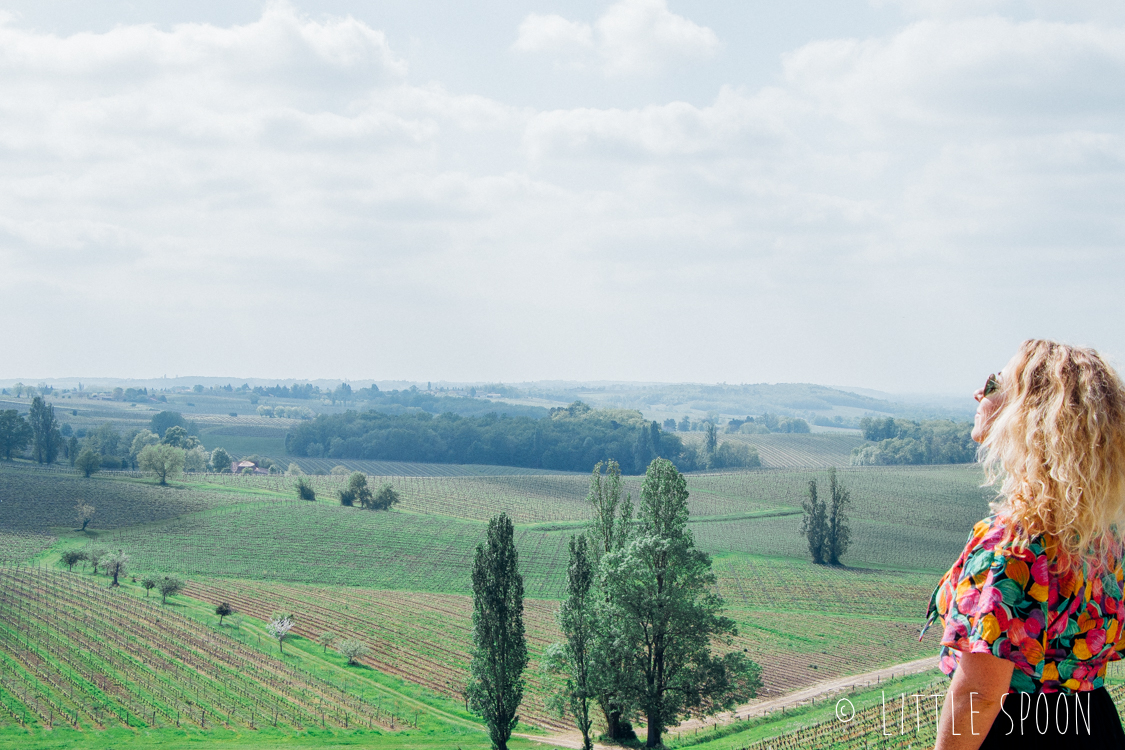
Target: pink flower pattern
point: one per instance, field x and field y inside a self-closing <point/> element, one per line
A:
<point x="1060" y="629"/>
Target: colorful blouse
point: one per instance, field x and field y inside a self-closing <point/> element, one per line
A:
<point x="1060" y="630"/>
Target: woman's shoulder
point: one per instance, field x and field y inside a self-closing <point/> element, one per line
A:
<point x="994" y="541"/>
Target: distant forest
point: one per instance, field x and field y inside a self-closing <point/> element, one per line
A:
<point x="399" y="402"/>
<point x="900" y="441"/>
<point x="573" y="438"/>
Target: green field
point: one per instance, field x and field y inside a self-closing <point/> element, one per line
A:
<point x="399" y="581"/>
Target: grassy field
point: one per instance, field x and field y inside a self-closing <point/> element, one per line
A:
<point x="795" y="450"/>
<point x="399" y="581"/>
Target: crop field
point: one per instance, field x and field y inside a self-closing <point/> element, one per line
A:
<point x="32" y="499"/>
<point x="803" y="623"/>
<point x="874" y="544"/>
<point x="914" y="518"/>
<point x="77" y="654"/>
<point x="422" y="638"/>
<point x="783" y="623"/>
<point x="533" y="498"/>
<point x="321" y="543"/>
<point x="399" y="580"/>
<point x="17" y="546"/>
<point x="412" y="469"/>
<point x="40" y="500"/>
<point x="793" y="450"/>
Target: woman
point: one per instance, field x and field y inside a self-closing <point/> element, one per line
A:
<point x="1032" y="609"/>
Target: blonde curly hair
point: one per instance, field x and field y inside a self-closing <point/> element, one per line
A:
<point x="1057" y="447"/>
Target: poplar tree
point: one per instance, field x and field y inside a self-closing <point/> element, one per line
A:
<point x="574" y="657"/>
<point x="839" y="535"/>
<point x="614" y="678"/>
<point x="46" y="440"/>
<point x="499" y="652"/>
<point x="814" y="525"/>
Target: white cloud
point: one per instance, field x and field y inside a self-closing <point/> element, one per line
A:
<point x="633" y="37"/>
<point x="552" y="33"/>
<point x="643" y="36"/>
<point x="209" y="198"/>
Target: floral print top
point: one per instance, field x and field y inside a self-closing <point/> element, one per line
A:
<point x="1060" y="630"/>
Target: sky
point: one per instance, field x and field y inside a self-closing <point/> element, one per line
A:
<point x="889" y="194"/>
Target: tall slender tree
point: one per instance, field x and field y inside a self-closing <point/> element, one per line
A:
<point x="499" y="653"/>
<point x="610" y="530"/>
<point x="814" y="525"/>
<point x="613" y="514"/>
<point x="839" y="535"/>
<point x="574" y="657"/>
<point x="46" y="440"/>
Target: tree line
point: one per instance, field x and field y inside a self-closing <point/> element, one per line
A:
<point x="902" y="441"/>
<point x="569" y="438"/>
<point x="641" y="620"/>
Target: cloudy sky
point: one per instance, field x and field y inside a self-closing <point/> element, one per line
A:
<point x="879" y="193"/>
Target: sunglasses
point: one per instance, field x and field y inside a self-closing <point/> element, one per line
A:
<point x="991" y="386"/>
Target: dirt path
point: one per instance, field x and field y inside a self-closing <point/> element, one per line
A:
<point x="573" y="740"/>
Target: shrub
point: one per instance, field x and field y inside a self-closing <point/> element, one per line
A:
<point x="305" y="490"/>
<point x="383" y="499"/>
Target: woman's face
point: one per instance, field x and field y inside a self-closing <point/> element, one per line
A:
<point x="987" y="406"/>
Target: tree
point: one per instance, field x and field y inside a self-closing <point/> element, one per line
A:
<point x="499" y="652"/>
<point x="175" y="436"/>
<point x="223" y="610"/>
<point x="15" y="432"/>
<point x="72" y="557"/>
<point x="343" y="393"/>
<point x="384" y="498"/>
<point x="326" y="639"/>
<point x="666" y="615"/>
<point x="170" y="586"/>
<point x="354" y="649"/>
<point x="162" y="460"/>
<point x="149" y="583"/>
<point x="294" y="470"/>
<point x="305" y="490"/>
<point x="88" y="462"/>
<point x="613" y="515"/>
<point x="574" y="658"/>
<point x="141" y="440"/>
<point x="45" y="437"/>
<point x="279" y="628"/>
<point x="95" y="554"/>
<point x="839" y="535"/>
<point x="221" y="460"/>
<point x="115" y="565"/>
<point x="712" y="438"/>
<point x="360" y="490"/>
<point x="814" y="525"/>
<point x="72" y="449"/>
<point x="609" y="532"/>
<point x="165" y="419"/>
<point x="85" y="513"/>
<point x="643" y="449"/>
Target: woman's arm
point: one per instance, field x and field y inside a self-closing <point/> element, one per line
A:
<point x="973" y="701"/>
